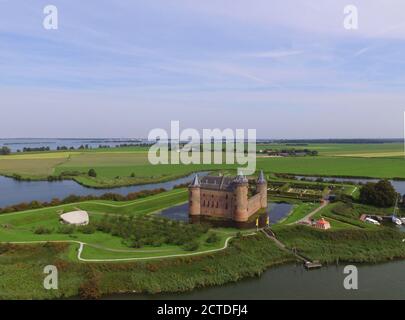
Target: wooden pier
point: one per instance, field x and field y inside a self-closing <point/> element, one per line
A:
<point x="312" y="265"/>
<point x="308" y="264"/>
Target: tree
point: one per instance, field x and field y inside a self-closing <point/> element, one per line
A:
<point x="380" y="194"/>
<point x="5" y="151"/>
<point x="92" y="173"/>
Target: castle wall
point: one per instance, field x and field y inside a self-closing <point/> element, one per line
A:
<point x="217" y="203"/>
<point x="254" y="204"/>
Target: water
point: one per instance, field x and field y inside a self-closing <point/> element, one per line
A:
<point x="382" y="281"/>
<point x="19" y="144"/>
<point x="398" y="185"/>
<point x="276" y="212"/>
<point x="13" y="191"/>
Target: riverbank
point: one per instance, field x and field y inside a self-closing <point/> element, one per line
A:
<point x="246" y="257"/>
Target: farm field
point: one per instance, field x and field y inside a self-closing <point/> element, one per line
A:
<point x="129" y="165"/>
<point x="339" y="149"/>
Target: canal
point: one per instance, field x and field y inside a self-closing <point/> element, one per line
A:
<point x="382" y="281"/>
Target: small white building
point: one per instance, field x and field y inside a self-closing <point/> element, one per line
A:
<point x="77" y="218"/>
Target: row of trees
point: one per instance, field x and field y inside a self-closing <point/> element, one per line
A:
<point x="74" y="198"/>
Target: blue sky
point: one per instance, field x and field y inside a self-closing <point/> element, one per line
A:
<point x="121" y="68"/>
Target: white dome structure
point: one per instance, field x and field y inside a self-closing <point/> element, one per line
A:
<point x="77" y="218"/>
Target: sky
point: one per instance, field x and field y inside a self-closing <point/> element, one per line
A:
<point x="287" y="68"/>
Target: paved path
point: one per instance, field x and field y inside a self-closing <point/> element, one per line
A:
<point x="82" y="244"/>
<point x="308" y="217"/>
<point x="283" y="247"/>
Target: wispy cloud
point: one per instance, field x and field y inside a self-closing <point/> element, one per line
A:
<point x="275" y="54"/>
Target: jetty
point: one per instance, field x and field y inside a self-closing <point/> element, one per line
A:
<point x="308" y="264"/>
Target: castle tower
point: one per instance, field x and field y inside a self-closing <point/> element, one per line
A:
<point x="194" y="207"/>
<point x="262" y="189"/>
<point x="241" y="199"/>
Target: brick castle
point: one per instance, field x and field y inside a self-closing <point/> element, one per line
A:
<point x="226" y="197"/>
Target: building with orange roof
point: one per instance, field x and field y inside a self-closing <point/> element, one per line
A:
<point x="322" y="224"/>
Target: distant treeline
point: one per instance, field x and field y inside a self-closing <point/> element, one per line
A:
<point x="289" y="152"/>
<point x="37" y="149"/>
<point x="74" y="198"/>
<point x="5" y="151"/>
<point x="359" y="141"/>
<point x="81" y="147"/>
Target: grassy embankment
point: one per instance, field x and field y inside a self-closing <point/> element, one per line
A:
<point x="246" y="257"/>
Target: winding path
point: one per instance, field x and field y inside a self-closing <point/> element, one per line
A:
<point x="82" y="244"/>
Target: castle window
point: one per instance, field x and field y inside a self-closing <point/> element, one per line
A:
<point x="217" y="204"/>
<point x="226" y="205"/>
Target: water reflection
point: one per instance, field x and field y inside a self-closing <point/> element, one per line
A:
<point x="275" y="212"/>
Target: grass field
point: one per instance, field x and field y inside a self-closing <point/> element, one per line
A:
<point x="130" y="165"/>
<point x="21" y="226"/>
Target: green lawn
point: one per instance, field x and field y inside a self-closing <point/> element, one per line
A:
<point x="300" y="211"/>
<point x="21" y="226"/>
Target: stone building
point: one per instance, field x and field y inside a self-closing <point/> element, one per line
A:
<point x="226" y="197"/>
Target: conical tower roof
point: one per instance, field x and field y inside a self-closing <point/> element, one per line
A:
<point x="241" y="178"/>
<point x="196" y="182"/>
<point x="261" y="178"/>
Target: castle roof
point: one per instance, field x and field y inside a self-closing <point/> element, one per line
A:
<point x="241" y="179"/>
<point x="222" y="183"/>
<point x="196" y="182"/>
<point x="218" y="183"/>
<point x="261" y="178"/>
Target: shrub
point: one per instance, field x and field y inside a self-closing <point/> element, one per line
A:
<point x="191" y="246"/>
<point x="212" y="238"/>
<point x="42" y="230"/>
<point x="89" y="229"/>
<point x="92" y="173"/>
<point x="66" y="229"/>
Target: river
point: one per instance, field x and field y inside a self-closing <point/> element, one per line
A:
<point x="381" y="281"/>
<point x="13" y="191"/>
